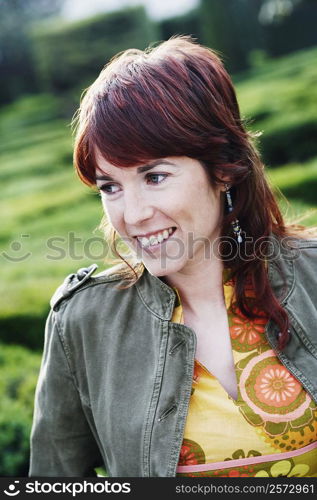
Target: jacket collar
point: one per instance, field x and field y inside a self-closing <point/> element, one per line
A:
<point x="281" y="256"/>
<point x="160" y="298"/>
<point x="156" y="295"/>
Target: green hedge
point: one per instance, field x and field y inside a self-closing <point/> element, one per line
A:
<point x="69" y="56"/>
<point x="26" y="330"/>
<point x="18" y="375"/>
<point x="14" y="439"/>
<point x="279" y="99"/>
<point x="19" y="370"/>
<point x="290" y="142"/>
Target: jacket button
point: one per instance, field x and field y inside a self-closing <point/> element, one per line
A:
<point x="81" y="273"/>
<point x="85" y="272"/>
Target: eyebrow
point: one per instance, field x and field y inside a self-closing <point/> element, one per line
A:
<point x="144" y="168"/>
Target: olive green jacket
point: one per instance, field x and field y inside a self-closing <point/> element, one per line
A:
<point x="116" y="374"/>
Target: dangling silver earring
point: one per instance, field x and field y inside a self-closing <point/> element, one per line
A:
<point x="235" y="224"/>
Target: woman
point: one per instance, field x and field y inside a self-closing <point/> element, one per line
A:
<point x="197" y="355"/>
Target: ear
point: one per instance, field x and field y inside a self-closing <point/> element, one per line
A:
<point x="226" y="179"/>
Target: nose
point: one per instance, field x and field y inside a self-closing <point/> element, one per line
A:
<point x="137" y="209"/>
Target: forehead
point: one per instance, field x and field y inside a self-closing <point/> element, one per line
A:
<point x="102" y="164"/>
<point x="107" y="171"/>
<point x="105" y="167"/>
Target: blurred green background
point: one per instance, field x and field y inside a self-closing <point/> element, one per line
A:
<point x="49" y="219"/>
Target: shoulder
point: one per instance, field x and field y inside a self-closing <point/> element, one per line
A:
<point x="301" y="258"/>
<point x="306" y="243"/>
<point x="303" y="251"/>
<point x="291" y="248"/>
<point x="291" y="263"/>
<point x="85" y="278"/>
<point x="305" y="264"/>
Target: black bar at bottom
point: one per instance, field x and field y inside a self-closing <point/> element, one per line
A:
<point x="177" y="488"/>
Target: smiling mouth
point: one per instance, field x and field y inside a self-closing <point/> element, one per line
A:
<point x="155" y="239"/>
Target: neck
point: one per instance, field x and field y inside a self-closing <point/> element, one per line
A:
<point x="199" y="286"/>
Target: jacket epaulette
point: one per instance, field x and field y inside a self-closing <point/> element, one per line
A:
<point x="71" y="283"/>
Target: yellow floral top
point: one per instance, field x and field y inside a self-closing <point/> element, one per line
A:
<point x="269" y="431"/>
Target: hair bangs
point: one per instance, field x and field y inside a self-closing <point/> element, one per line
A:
<point x="146" y="107"/>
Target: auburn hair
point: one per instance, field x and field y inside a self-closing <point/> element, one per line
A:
<point x="177" y="99"/>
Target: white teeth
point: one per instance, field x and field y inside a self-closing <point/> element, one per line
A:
<point x="144" y="242"/>
<point x="154" y="240"/>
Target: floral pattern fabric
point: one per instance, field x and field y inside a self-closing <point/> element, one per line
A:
<point x="270" y="430"/>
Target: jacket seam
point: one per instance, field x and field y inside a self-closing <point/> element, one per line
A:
<point x="68" y="361"/>
<point x="157" y="314"/>
<point x="290" y="291"/>
<point x="158" y="382"/>
<point x="292" y="288"/>
<point x="296" y="323"/>
<point x="83" y="400"/>
<point x="299" y="329"/>
<point x="274" y="268"/>
<point x="78" y="290"/>
<point x="307" y="243"/>
<point x="95" y="435"/>
<point x="179" y="430"/>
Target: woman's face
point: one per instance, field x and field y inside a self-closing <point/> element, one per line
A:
<point x="166" y="211"/>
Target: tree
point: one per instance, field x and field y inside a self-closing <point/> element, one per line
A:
<point x="16" y="62"/>
<point x="289" y="25"/>
<point x="232" y="27"/>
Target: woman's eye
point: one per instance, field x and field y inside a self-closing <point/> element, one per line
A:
<point x="156" y="178"/>
<point x="109" y="188"/>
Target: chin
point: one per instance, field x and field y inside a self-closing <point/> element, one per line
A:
<point x="160" y="270"/>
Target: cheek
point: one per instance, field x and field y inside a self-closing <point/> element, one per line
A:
<point x="111" y="214"/>
<point x="209" y="212"/>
